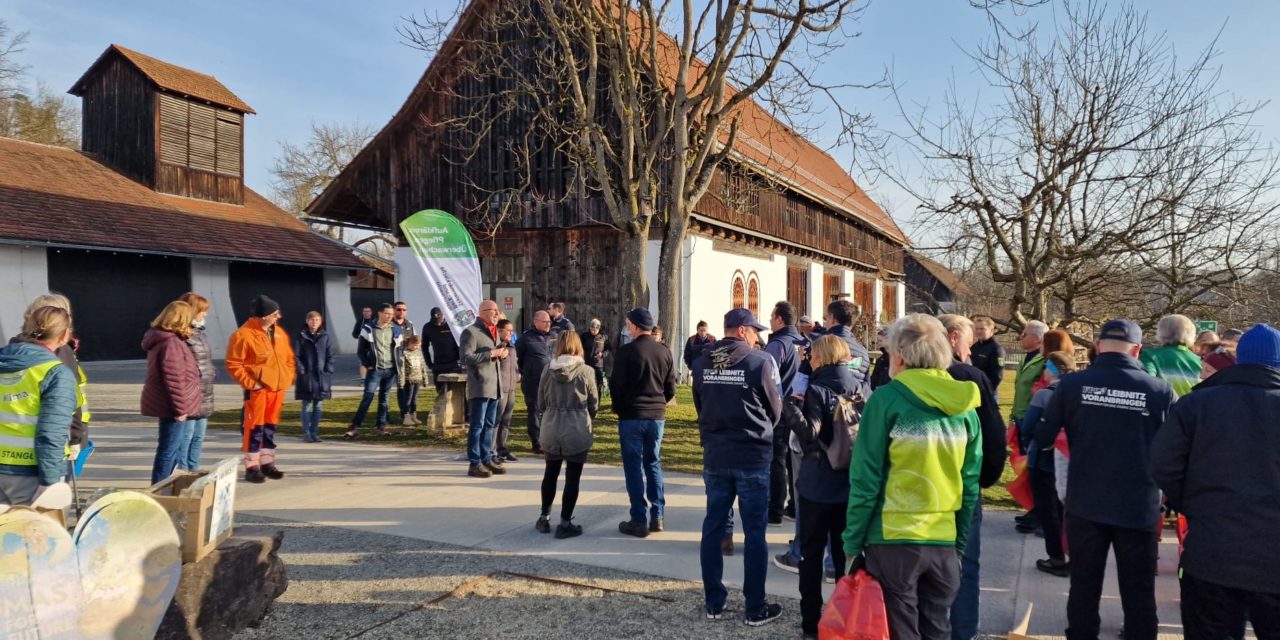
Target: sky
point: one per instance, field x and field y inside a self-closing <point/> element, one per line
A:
<point x="339" y="61"/>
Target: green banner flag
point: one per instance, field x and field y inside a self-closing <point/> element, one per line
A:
<point x="444" y="270"/>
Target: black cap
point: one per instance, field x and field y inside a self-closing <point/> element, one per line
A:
<point x="262" y="306"/>
<point x="742" y="318"/>
<point x="641" y="317"/>
<point x="1123" y="330"/>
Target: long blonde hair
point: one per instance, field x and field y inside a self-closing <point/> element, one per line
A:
<point x="176" y="318"/>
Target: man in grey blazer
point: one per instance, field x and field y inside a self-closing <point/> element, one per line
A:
<point x="481" y="358"/>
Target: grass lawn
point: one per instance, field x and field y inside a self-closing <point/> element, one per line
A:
<point x="680" y="448"/>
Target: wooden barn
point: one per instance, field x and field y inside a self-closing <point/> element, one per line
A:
<point x="155" y="205"/>
<point x="782" y="221"/>
<point x="933" y="288"/>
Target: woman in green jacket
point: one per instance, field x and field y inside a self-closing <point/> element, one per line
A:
<point x="913" y="480"/>
<point x="1174" y="361"/>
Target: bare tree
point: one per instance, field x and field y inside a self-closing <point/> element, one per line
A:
<point x="1108" y="176"/>
<point x="11" y="71"/>
<point x="644" y="100"/>
<point x="32" y="114"/>
<point x="303" y="170"/>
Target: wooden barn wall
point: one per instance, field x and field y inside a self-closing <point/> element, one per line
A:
<point x="574" y="266"/>
<point x="200" y="151"/>
<point x="118" y="120"/>
<point x="751" y="204"/>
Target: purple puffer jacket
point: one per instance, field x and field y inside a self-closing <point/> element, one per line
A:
<point x="172" y="388"/>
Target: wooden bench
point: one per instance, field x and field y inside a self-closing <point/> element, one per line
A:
<point x="450" y="409"/>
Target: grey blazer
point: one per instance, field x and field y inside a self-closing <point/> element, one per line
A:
<point x="482" y="371"/>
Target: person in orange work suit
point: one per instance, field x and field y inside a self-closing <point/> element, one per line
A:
<point x="260" y="359"/>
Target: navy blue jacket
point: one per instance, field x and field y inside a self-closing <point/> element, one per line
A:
<point x="560" y="325"/>
<point x="735" y="391"/>
<point x="988" y="357"/>
<point x="313" y="355"/>
<point x="534" y="351"/>
<point x="817" y="481"/>
<point x="993" y="445"/>
<point x="860" y="365"/>
<point x="694" y="346"/>
<point x="1217" y="458"/>
<point x="367" y="352"/>
<point x="1111" y="412"/>
<point x="782" y="346"/>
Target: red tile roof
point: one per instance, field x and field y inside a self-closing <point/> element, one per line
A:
<point x="170" y="77"/>
<point x="52" y="195"/>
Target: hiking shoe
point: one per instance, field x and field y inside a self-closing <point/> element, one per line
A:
<point x="715" y="615"/>
<point x="726" y="546"/>
<point x="479" y="471"/>
<point x="254" y="475"/>
<point x="655" y="525"/>
<point x="543" y="525"/>
<point x="568" y="530"/>
<point x="270" y="471"/>
<point x="506" y="457"/>
<point x="637" y="529"/>
<point x="787" y="562"/>
<point x="496" y="467"/>
<point x="771" y="612"/>
<point x="1054" y="567"/>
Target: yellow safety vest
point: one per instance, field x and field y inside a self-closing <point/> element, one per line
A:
<point x="20" y="412"/>
<point x="81" y="403"/>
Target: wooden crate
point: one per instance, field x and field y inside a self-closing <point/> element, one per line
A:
<point x="195" y="542"/>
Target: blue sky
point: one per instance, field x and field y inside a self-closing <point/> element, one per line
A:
<point x="341" y="61"/>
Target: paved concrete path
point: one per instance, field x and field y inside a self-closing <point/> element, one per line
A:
<point x="425" y="494"/>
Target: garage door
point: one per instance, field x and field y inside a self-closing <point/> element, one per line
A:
<point x="297" y="289"/>
<point x="115" y="296"/>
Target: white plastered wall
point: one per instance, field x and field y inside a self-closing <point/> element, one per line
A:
<point x="211" y="279"/>
<point x="711" y="283"/>
<point x="901" y="306"/>
<point x="24" y="274"/>
<point x="817" y="305"/>
<point x="337" y="305"/>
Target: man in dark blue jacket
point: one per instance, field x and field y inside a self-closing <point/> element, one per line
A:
<point x="735" y="391"/>
<point x="787" y="346"/>
<point x="1216" y="460"/>
<point x="841" y="315"/>
<point x="1111" y="412"/>
<point x="534" y="351"/>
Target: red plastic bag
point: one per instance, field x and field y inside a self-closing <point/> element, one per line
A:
<point x="855" y="611"/>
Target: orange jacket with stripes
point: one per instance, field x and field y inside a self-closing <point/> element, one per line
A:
<point x="253" y="358"/>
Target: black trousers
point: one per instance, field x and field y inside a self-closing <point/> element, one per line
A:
<point x="572" y="479"/>
<point x="530" y="390"/>
<point x="1213" y="612"/>
<point x="1136" y="552"/>
<point x="819" y="524"/>
<point x="779" y="484"/>
<point x="1049" y="509"/>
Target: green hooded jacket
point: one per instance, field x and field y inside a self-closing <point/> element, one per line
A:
<point x="1175" y="364"/>
<point x="914" y="473"/>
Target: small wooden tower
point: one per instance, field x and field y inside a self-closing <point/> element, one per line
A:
<point x="173" y="129"/>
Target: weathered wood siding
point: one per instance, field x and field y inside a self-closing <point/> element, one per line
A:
<point x="200" y="150"/>
<point x="118" y="120"/>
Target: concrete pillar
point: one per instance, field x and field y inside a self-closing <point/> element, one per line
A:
<point x="877" y="301"/>
<point x="212" y="279"/>
<point x="337" y="306"/>
<point x="901" y="306"/>
<point x="817" y="304"/>
<point x="846" y="284"/>
<point x="24" y="274"/>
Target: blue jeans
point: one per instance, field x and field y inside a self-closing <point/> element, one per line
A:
<point x="311" y="412"/>
<point x="170" y="438"/>
<point x="964" y="611"/>
<point x="751" y="488"/>
<point x="641" y="442"/>
<point x="191" y="443"/>
<point x="381" y="381"/>
<point x="484" y="415"/>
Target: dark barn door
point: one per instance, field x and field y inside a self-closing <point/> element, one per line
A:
<point x="114" y="297"/>
<point x="297" y="289"/>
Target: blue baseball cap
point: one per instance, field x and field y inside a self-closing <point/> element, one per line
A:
<point x="1123" y="330"/>
<point x="742" y="318"/>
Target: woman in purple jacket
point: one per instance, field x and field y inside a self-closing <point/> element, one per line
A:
<point x="172" y="389"/>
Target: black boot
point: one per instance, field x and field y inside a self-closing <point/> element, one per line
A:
<point x="254" y="475"/>
<point x="270" y="471"/>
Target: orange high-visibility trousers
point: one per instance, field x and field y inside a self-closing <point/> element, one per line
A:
<point x="258" y="429"/>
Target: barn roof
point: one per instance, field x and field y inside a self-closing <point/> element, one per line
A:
<point x="941" y="273"/>
<point x="169" y="77"/>
<point x="60" y="197"/>
<point x="765" y="142"/>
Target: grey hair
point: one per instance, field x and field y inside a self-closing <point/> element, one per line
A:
<point x="51" y="299"/>
<point x="1176" y="329"/>
<point x="921" y="341"/>
<point x="1036" y="328"/>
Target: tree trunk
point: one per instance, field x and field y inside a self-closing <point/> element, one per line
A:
<point x="631" y="271"/>
<point x="669" y="277"/>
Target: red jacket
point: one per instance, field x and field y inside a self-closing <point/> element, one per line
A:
<point x="172" y="388"/>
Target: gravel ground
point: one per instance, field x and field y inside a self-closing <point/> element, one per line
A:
<point x="350" y="584"/>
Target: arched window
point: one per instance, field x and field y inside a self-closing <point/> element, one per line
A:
<point x="753" y="294"/>
<point x="739" y="291"/>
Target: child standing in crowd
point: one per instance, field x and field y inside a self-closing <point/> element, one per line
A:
<point x="1042" y="463"/>
<point x="568" y="400"/>
<point x="413" y="374"/>
<point x="315" y="374"/>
